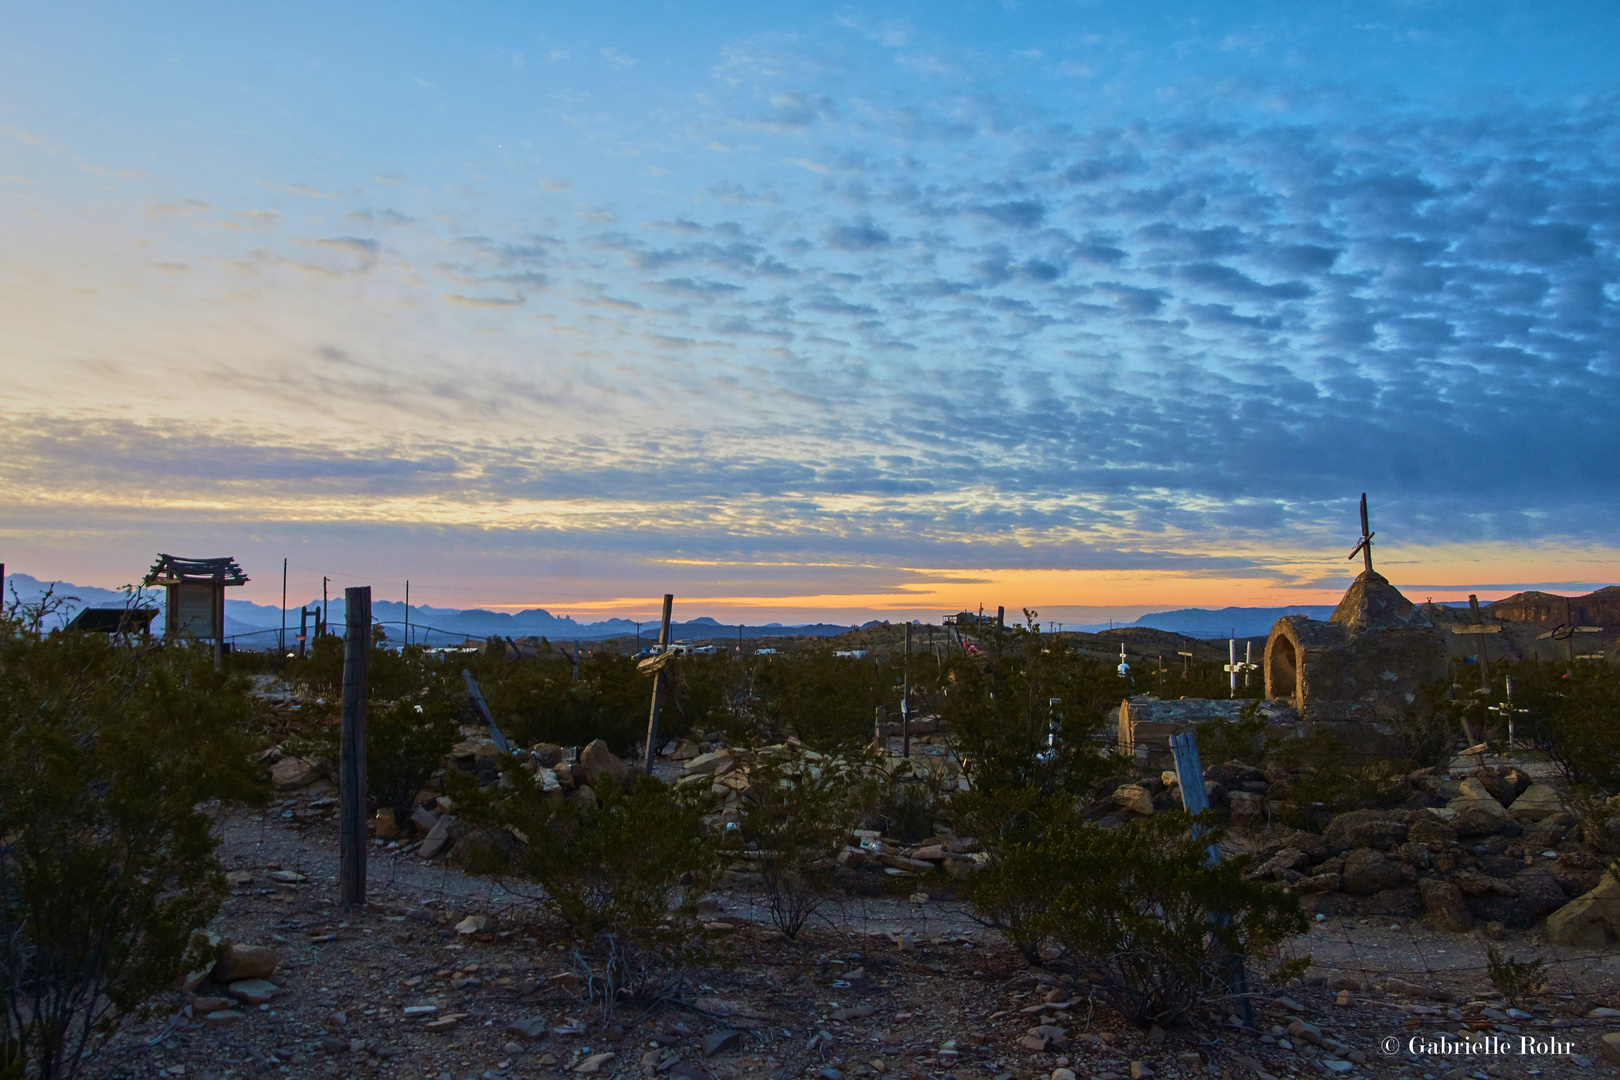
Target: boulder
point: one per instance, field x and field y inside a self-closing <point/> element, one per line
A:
<point x="1367" y="871"/>
<point x="386" y="828"/>
<point x="290" y="774"/>
<point x="1474" y="796"/>
<point x="437" y="837"/>
<point x="1135" y="798"/>
<point x="711" y="764"/>
<point x="1446" y="906"/>
<point x="1379" y="829"/>
<point x="424" y="819"/>
<point x="1539" y="801"/>
<point x="1431" y="829"/>
<point x="1589" y="919"/>
<point x="1540" y="892"/>
<point x="245" y="962"/>
<point x="599" y="763"/>
<point x="546" y="755"/>
<point x="1246" y="805"/>
<point x="1510" y="911"/>
<point x="1234" y="774"/>
<point x="1475" y="819"/>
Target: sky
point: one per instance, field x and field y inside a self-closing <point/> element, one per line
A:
<point x="809" y="311"/>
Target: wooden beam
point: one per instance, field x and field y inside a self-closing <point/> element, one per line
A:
<point x="658" y="685"/>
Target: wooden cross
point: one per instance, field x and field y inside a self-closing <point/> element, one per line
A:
<point x="654" y="666"/>
<point x="1364" y="545"/>
<point x="1479" y="627"/>
<point x="1566" y="631"/>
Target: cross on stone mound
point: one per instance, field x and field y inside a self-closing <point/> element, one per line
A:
<point x="1364" y="545"/>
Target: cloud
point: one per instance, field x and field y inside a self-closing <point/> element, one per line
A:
<point x="856" y="236"/>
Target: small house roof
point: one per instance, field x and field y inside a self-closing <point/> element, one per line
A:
<point x="114" y="620"/>
<point x="172" y="570"/>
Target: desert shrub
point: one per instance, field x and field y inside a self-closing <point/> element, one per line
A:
<point x="1320" y="778"/>
<point x="796" y="816"/>
<point x="405" y="745"/>
<point x="622" y="873"/>
<point x="1241" y="740"/>
<point x="1139" y="912"/>
<point x="107" y="865"/>
<point x="1515" y="980"/>
<point x="1576" y="720"/>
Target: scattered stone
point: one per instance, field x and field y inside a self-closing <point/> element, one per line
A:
<point x="595" y="1063"/>
<point x="224" y="1017"/>
<point x="1538" y="802"/>
<point x="201" y="1006"/>
<point x="718" y="1041"/>
<point x="472" y="924"/>
<point x="253" y="991"/>
<point x="245" y="962"/>
<point x="1610" y="1047"/>
<point x="1063" y="1074"/>
<point x="712" y="764"/>
<point x="334" y="1045"/>
<point x="1139" y="1070"/>
<point x="532" y="1028"/>
<point x="443" y="1023"/>
<point x="417" y="1011"/>
<point x="853" y="1012"/>
<point x="337" y="1020"/>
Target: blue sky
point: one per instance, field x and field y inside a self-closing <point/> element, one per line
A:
<point x="814" y="310"/>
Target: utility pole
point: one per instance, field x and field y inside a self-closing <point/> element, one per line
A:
<point x="407" y="611"/>
<point x="282" y="640"/>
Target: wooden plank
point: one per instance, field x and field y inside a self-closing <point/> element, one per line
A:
<point x="483" y="710"/>
<point x="652" y="665"/>
<point x="352" y="748"/>
<point x="1477" y="629"/>
<point x="658" y="685"/>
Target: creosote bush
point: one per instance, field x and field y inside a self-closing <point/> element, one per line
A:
<point x="109" y="757"/>
<point x="1138" y="911"/>
<point x="622" y="873"/>
<point x="796" y="818"/>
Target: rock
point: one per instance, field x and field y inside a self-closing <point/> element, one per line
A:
<point x="1063" y="1074"/>
<point x="716" y="1042"/>
<point x="716" y="763"/>
<point x="1539" y="892"/>
<point x="472" y="924"/>
<point x="290" y="774"/>
<point x="1539" y="801"/>
<point x="337" y="1020"/>
<point x="1589" y="919"/>
<point x="853" y="1012"/>
<point x="1246" y="805"/>
<point x="1403" y="903"/>
<point x="598" y="763"/>
<point x="1378" y="829"/>
<point x="1051" y="1035"/>
<point x="334" y="1045"/>
<point x="930" y="853"/>
<point x="437" y="837"/>
<point x="1367" y="871"/>
<point x="1401" y="986"/>
<point x="424" y="819"/>
<point x="1609" y="1048"/>
<point x="192" y="978"/>
<point x="443" y="1023"/>
<point x="1300" y="1030"/>
<point x="202" y="1005"/>
<point x="1135" y="798"/>
<point x="1139" y="1070"/>
<point x="245" y="962"/>
<point x="413" y="1012"/>
<point x="253" y="991"/>
<point x="1445" y="905"/>
<point x="1319" y="883"/>
<point x="532" y="1028"/>
<point x="224" y="1017"/>
<point x="1033" y="1042"/>
<point x="1428" y="828"/>
<point x="1475" y="820"/>
<point x="1474" y="796"/>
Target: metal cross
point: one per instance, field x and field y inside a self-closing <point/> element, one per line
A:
<point x="1364" y="545"/>
<point x="1566" y="631"/>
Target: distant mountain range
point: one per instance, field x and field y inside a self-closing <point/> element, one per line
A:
<point x="256" y="625"/>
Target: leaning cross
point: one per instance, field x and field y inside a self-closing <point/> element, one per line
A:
<point x="1479" y="626"/>
<point x="654" y="666"/>
<point x="1364" y="545"/>
<point x="1566" y="631"/>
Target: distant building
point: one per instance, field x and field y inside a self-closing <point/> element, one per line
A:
<point x="117" y="620"/>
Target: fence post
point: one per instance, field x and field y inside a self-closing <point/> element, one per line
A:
<point x="1190" y="779"/>
<point x="352" y="752"/>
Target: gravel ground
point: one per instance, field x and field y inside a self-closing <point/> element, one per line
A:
<point x="846" y="1001"/>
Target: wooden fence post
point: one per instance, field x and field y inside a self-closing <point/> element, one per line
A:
<point x="658" y="686"/>
<point x="352" y="751"/>
<point x="1190" y="779"/>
